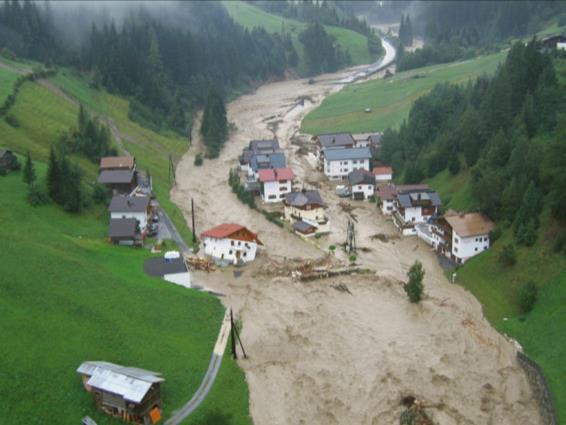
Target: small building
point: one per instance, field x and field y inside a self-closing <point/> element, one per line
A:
<point x="275" y="183"/>
<point x="171" y="267"/>
<point x="362" y="184"/>
<point x="383" y="174"/>
<point x="554" y="42"/>
<point x="124" y="231"/>
<point x="265" y="161"/>
<point x="367" y="140"/>
<point x="8" y="161"/>
<point x="257" y="147"/>
<point x="230" y="243"/>
<point x="118" y="173"/>
<point x="414" y="206"/>
<point x="128" y="393"/>
<point x="304" y="229"/>
<point x="463" y="236"/>
<point x="338" y="163"/>
<point x="137" y="207"/>
<point x="387" y="196"/>
<point x="308" y="207"/>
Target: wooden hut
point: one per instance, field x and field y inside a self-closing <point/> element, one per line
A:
<point x="128" y="393"/>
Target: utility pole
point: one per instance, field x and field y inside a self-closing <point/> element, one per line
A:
<point x="172" y="171"/>
<point x="193" y="218"/>
<point x="235" y="334"/>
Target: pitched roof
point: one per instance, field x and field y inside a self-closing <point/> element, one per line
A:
<point x="269" y="160"/>
<point x="304" y="198"/>
<point x="407" y="199"/>
<point x="129" y="382"/>
<point x="122" y="227"/>
<point x="264" y="145"/>
<point x="226" y="230"/>
<point x="391" y="191"/>
<point x="382" y="170"/>
<point x="116" y="176"/>
<point x="361" y="177"/>
<point x="275" y="174"/>
<point x="122" y="203"/>
<point x="344" y="154"/>
<point x="336" y="139"/>
<point x="303" y="227"/>
<point x="160" y="266"/>
<point x="110" y="162"/>
<point x="470" y="224"/>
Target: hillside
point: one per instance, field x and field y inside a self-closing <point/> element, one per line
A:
<point x="68" y="296"/>
<point x="250" y="16"/>
<point x="390" y="100"/>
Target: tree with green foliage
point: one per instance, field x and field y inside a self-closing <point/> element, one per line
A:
<point x="322" y="52"/>
<point x="406" y="31"/>
<point x="214" y="127"/>
<point x="29" y="176"/>
<point x="454" y="164"/>
<point x="54" y="181"/>
<point x="526" y="221"/>
<point x="507" y="256"/>
<point x="528" y="295"/>
<point x="414" y="287"/>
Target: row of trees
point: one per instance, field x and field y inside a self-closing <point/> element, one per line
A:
<point x="406" y="31"/>
<point x="456" y="30"/>
<point x="508" y="130"/>
<point x="64" y="182"/>
<point x="322" y="52"/>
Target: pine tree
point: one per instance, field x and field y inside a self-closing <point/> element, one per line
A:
<point x="29" y="171"/>
<point x="414" y="287"/>
<point x="53" y="176"/>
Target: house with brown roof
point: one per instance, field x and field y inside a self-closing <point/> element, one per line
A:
<point x="382" y="174"/>
<point x="463" y="235"/>
<point x="230" y="243"/>
<point x="118" y="173"/>
<point x="305" y="209"/>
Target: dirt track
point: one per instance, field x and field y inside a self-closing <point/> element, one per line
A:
<point x="322" y="356"/>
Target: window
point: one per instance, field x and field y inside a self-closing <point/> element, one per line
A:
<point x="476" y="249"/>
<point x="239" y="243"/>
<point x="230" y="252"/>
<point x="485" y="239"/>
<point x="272" y="197"/>
<point x="245" y="254"/>
<point x="455" y="249"/>
<point x="232" y="243"/>
<point x="456" y="240"/>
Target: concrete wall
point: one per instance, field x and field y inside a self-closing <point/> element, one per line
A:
<point x="466" y="248"/>
<point x="367" y="189"/>
<point x="275" y="191"/>
<point x="226" y="249"/>
<point x="341" y="169"/>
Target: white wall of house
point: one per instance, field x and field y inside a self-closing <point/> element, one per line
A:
<point x="361" y="143"/>
<point x="388" y="206"/>
<point x="315" y="217"/>
<point x="383" y="178"/>
<point x="340" y="169"/>
<point x="413" y="215"/>
<point x="561" y="45"/>
<point x="465" y="248"/>
<point x="367" y="189"/>
<point x="140" y="217"/>
<point x="183" y="279"/>
<point x="275" y="191"/>
<point x="229" y="250"/>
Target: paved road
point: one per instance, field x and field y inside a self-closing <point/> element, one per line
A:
<point x="209" y="377"/>
<point x="382" y="63"/>
<point x="172" y="231"/>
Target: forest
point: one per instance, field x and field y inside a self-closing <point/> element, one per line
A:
<point x="454" y="30"/>
<point x="509" y="131"/>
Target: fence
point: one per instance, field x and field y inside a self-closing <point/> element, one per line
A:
<point x="540" y="389"/>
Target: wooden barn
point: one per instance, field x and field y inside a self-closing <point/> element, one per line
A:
<point x="128" y="393"/>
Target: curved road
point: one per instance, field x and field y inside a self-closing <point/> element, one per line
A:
<point x="382" y="63"/>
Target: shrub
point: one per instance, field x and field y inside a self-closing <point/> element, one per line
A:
<point x="414" y="287"/>
<point x="37" y="196"/>
<point x="352" y="258"/>
<point x="99" y="194"/>
<point x="372" y="199"/>
<point x="495" y="234"/>
<point x="528" y="294"/>
<point x="332" y="248"/>
<point x="527" y="234"/>
<point x="198" y="160"/>
<point x="559" y="242"/>
<point x="12" y="121"/>
<point x="3" y="171"/>
<point x="507" y="256"/>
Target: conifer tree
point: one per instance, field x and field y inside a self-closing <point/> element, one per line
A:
<point x="53" y="176"/>
<point x="29" y="171"/>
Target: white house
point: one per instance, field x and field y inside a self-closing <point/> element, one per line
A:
<point x="363" y="140"/>
<point x="306" y="210"/>
<point x="464" y="235"/>
<point x="383" y="174"/>
<point x="137" y="207"/>
<point x="338" y="163"/>
<point x="333" y="141"/>
<point x="230" y="243"/>
<point x="414" y="206"/>
<point x="275" y="183"/>
<point x="263" y="161"/>
<point x="257" y="147"/>
<point x="362" y="184"/>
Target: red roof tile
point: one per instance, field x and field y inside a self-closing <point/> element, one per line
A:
<point x="226" y="230"/>
<point x="275" y="174"/>
<point x="378" y="171"/>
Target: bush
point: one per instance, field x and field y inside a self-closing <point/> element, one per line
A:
<point x="198" y="160"/>
<point x="12" y="121"/>
<point x="99" y="194"/>
<point x="332" y="248"/>
<point x="507" y="256"/>
<point x="352" y="258"/>
<point x="37" y="196"/>
<point x="527" y="234"/>
<point x="495" y="234"/>
<point x="372" y="199"/>
<point x="559" y="242"/>
<point x="528" y="294"/>
<point x="3" y="171"/>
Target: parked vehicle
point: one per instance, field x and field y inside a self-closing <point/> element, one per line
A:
<point x="343" y="191"/>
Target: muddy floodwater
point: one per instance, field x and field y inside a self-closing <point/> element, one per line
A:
<point x="345" y="350"/>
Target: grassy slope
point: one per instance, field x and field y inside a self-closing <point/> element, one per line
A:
<point x="67" y="296"/>
<point x="250" y="16"/>
<point x="391" y="99"/>
<point x="7" y="80"/>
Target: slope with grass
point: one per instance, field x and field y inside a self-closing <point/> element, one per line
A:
<point x="7" y="80"/>
<point x="390" y="100"/>
<point x="251" y="16"/>
<point x="67" y="296"/>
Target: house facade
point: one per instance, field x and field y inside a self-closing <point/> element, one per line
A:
<point x="128" y="393"/>
<point x="362" y="184"/>
<point x="383" y="174"/>
<point x="413" y="207"/>
<point x="333" y="141"/>
<point x="118" y="173"/>
<point x="257" y="147"/>
<point x="230" y="243"/>
<point x="463" y="236"/>
<point x="275" y="183"/>
<point x="338" y="163"/>
<point x="308" y="207"/>
<point x="264" y="162"/>
<point x="136" y="207"/>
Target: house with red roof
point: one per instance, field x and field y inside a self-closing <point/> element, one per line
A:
<point x="230" y="243"/>
<point x="383" y="174"/>
<point x="275" y="183"/>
